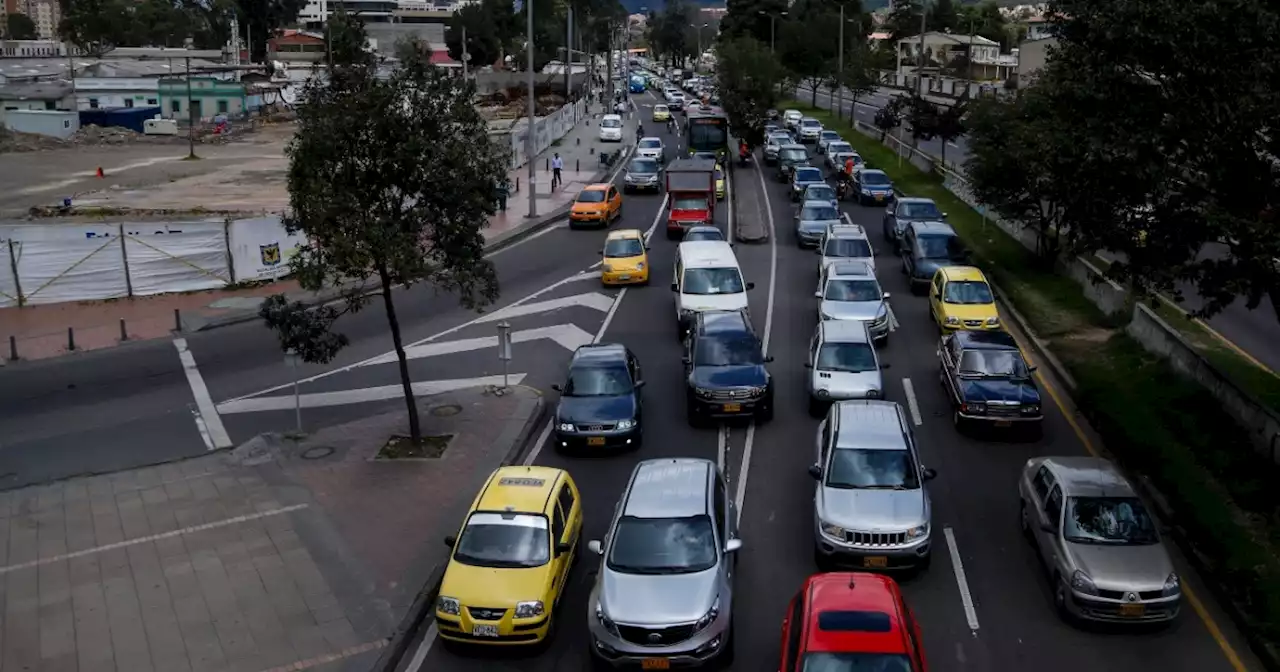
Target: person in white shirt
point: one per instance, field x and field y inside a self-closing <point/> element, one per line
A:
<point x="557" y="164"/>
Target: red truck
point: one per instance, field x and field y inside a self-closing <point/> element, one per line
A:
<point x="691" y="192"/>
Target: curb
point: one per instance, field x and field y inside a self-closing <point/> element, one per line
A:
<point x="398" y="643"/>
<point x="1267" y="655"/>
<point x="733" y="196"/>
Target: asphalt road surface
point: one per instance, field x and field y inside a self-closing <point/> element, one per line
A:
<point x="1012" y="624"/>
<point x="865" y="111"/>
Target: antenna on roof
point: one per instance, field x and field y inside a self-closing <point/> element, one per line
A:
<point x="851" y="582"/>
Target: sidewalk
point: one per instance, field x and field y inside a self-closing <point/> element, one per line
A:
<point x="40" y="332"/>
<point x="275" y="556"/>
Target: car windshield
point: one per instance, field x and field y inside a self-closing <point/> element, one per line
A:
<point x="846" y="358"/>
<point x="814" y="213"/>
<point x="591" y="196"/>
<point x="727" y="351"/>
<point x="856" y="662"/>
<point x="875" y="469"/>
<point x="643" y="166"/>
<point x="819" y="192"/>
<point x="967" y="292"/>
<point x="503" y="540"/>
<point x="611" y="123"/>
<point x="597" y="381"/>
<point x="830" y="135"/>
<point x="1114" y="521"/>
<point x="793" y="155"/>
<point x="650" y="143"/>
<point x="811" y="123"/>
<point x="689" y="203"/>
<point x="704" y="281"/>
<point x="875" y="179"/>
<point x="993" y="364"/>
<point x="660" y="108"/>
<point x="857" y="248"/>
<point x="852" y="290"/>
<point x="703" y="234"/>
<point x="780" y="138"/>
<point x="808" y="175"/>
<point x="663" y="545"/>
<point x="623" y="247"/>
<point x="919" y="211"/>
<point x="840" y="148"/>
<point x="941" y="247"/>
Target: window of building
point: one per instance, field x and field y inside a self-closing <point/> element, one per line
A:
<point x="175" y="105"/>
<point x="128" y="102"/>
<point x="93" y="103"/>
<point x="222" y="107"/>
<point x="50" y="105"/>
<point x="152" y="101"/>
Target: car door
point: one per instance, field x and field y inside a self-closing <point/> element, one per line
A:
<point x="1049" y="527"/>
<point x="615" y="201"/>
<point x="914" y="639"/>
<point x="726" y="524"/>
<point x="935" y="297"/>
<point x="560" y="534"/>
<point x="793" y="634"/>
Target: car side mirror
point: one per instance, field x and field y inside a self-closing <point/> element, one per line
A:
<point x="556" y="387"/>
<point x="685" y="360"/>
<point x="563" y="547"/>
<point x="886" y="295"/>
<point x="732" y="545"/>
<point x="450" y="541"/>
<point x="816" y="472"/>
<point x="768" y="358"/>
<point x="595" y="547"/>
<point x="639" y="384"/>
<point x="808" y="365"/>
<point x="674" y="287"/>
<point x="818" y="294"/>
<point x="930" y="474"/>
<point x="751" y="286"/>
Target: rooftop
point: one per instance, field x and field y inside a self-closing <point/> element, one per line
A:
<point x="869" y="424"/>
<point x="54" y="90"/>
<point x="1089" y="477"/>
<point x="524" y="489"/>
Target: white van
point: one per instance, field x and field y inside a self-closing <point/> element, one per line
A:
<point x="611" y="128"/>
<point x="707" y="277"/>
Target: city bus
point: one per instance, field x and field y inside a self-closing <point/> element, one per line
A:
<point x="707" y="130"/>
<point x="637" y="84"/>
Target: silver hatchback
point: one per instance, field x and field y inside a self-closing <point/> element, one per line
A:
<point x="664" y="594"/>
<point x="848" y="290"/>
<point x="870" y="507"/>
<point x="843" y="364"/>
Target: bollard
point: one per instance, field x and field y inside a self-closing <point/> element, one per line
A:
<point x="577" y="166"/>
<point x="13" y="348"/>
<point x="548" y="165"/>
<point x="517" y="185"/>
<point x="124" y="334"/>
<point x="177" y="320"/>
<point x="71" y="338"/>
<point x="579" y="142"/>
<point x="592" y="150"/>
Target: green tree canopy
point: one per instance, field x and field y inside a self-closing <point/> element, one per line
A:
<point x="747" y="76"/>
<point x="491" y="27"/>
<point x="752" y="18"/>
<point x="903" y="20"/>
<point x="21" y="27"/>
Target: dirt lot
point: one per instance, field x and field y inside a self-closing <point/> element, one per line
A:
<point x="245" y="175"/>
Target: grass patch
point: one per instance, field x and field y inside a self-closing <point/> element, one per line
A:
<point x="1257" y="381"/>
<point x="1154" y="421"/>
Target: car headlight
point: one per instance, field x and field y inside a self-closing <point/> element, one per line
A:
<point x="881" y="317"/>
<point x="626" y="424"/>
<point x="1172" y="585"/>
<point x="653" y="178"/>
<point x="448" y="605"/>
<point x="951" y="319"/>
<point x="565" y="426"/>
<point x="833" y="531"/>
<point x="823" y="392"/>
<point x="685" y="313"/>
<point x="757" y="391"/>
<point x="1082" y="583"/>
<point x="918" y="532"/>
<point x="530" y="609"/>
<point x="1031" y="409"/>
<point x="640" y="266"/>
<point x="866" y="192"/>
<point x="993" y="321"/>
<point x="604" y="619"/>
<point x="709" y="617"/>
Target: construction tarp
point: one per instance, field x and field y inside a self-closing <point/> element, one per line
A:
<point x="8" y="283"/>
<point x="176" y="257"/>
<point x="68" y="262"/>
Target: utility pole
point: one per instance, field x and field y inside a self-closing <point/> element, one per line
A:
<point x="608" y="66"/>
<point x="568" y="57"/>
<point x="191" y="117"/>
<point x="530" y="154"/>
<point x="924" y="13"/>
<point x="840" y="69"/>
<point x="466" y="55"/>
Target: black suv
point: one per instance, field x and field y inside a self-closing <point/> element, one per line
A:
<point x="600" y="404"/>
<point x="724" y="369"/>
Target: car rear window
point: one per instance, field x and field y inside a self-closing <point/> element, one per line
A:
<point x="854" y="621"/>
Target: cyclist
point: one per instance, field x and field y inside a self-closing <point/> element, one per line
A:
<point x="639" y="132"/>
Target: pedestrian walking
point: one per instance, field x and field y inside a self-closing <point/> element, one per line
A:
<point x="557" y="164"/>
<point x="503" y="191"/>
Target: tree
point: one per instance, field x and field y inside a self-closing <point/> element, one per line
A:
<point x="903" y="20"/>
<point x="490" y="27"/>
<point x="950" y="123"/>
<point x="942" y="16"/>
<point x="95" y="26"/>
<point x="263" y="18"/>
<point x="809" y="42"/>
<point x="390" y="180"/>
<point x="761" y="19"/>
<point x="922" y="117"/>
<point x="889" y="117"/>
<point x="21" y="27"/>
<point x="747" y="76"/>
<point x="985" y="20"/>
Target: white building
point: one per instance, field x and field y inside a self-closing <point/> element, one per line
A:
<point x="46" y="14"/>
<point x="371" y="11"/>
<point x="32" y="49"/>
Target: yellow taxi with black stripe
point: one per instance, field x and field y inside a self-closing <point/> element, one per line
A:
<point x="511" y="559"/>
<point x="626" y="259"/>
<point x="721" y="190"/>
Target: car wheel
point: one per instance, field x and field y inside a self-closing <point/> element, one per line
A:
<point x="671" y="235"/>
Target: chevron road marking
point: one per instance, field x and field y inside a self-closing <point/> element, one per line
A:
<point x="345" y="397"/>
<point x="568" y="336"/>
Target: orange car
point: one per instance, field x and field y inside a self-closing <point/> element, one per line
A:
<point x="596" y="205"/>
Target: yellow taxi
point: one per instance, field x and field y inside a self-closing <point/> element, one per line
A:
<point x="661" y="113"/>
<point x="626" y="258"/>
<point x="596" y="205"/>
<point x="960" y="298"/>
<point x="511" y="558"/>
<point x="720" y="186"/>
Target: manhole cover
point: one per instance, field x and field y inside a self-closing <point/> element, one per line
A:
<point x="316" y="452"/>
<point x="446" y="410"/>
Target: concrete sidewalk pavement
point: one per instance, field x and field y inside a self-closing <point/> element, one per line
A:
<point x="278" y="555"/>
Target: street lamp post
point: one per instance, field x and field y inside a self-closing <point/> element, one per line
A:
<point x="698" y="57"/>
<point x="533" y="113"/>
<point x="772" y="27"/>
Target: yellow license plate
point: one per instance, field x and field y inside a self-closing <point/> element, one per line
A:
<point x="484" y="630"/>
<point x="595" y="440"/>
<point x="879" y="197"/>
<point x="875" y="561"/>
<point x="1004" y="423"/>
<point x="655" y="664"/>
<point x="732" y="408"/>
<point x="1133" y="610"/>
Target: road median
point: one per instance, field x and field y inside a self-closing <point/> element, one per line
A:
<point x="1156" y="423"/>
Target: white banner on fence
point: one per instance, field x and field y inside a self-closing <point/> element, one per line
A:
<point x="261" y="249"/>
<point x="8" y="284"/>
<point x="176" y="257"/>
<point x="69" y="262"/>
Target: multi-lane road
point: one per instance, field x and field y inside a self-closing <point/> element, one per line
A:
<point x="864" y="110"/>
<point x="983" y="605"/>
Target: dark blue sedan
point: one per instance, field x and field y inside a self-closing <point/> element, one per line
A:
<point x="600" y="405"/>
<point x="988" y="381"/>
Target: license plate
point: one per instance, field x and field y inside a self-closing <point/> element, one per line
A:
<point x="1133" y="610"/>
<point x="879" y="197"/>
<point x="1004" y="423"/>
<point x="484" y="630"/>
<point x="595" y="440"/>
<point x="655" y="664"/>
<point x="624" y="277"/>
<point x="875" y="561"/>
<point x="732" y="408"/>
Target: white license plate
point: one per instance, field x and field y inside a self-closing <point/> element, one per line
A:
<point x="624" y="277"/>
<point x="484" y="630"/>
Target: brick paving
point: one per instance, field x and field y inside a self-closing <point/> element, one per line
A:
<point x="278" y="555"/>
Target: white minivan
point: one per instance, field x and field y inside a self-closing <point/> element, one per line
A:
<point x="707" y="277"/>
<point x="611" y="128"/>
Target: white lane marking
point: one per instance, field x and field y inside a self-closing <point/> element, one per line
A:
<point x="966" y="598"/>
<point x="893" y="320"/>
<point x="911" y="401"/>
<point x="543" y="436"/>
<point x="722" y="443"/>
<point x="568" y="336"/>
<point x="741" y="494"/>
<point x="217" y="434"/>
<point x="285" y="402"/>
<point x="150" y="538"/>
<point x="420" y="656"/>
<point x="593" y="300"/>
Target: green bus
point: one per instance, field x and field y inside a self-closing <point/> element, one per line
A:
<point x="706" y="129"/>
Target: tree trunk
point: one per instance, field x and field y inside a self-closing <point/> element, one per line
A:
<point x="943" y="143"/>
<point x="813" y="88"/>
<point x="415" y="427"/>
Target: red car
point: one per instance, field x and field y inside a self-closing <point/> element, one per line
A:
<point x="850" y="622"/>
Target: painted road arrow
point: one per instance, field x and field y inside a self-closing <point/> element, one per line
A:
<point x="569" y="336"/>
<point x="593" y="300"/>
<point x="367" y="394"/>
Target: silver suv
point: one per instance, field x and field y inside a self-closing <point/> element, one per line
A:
<point x="870" y="508"/>
<point x="843" y="364"/>
<point x="848" y="290"/>
<point x="665" y="587"/>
